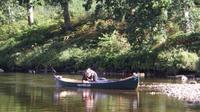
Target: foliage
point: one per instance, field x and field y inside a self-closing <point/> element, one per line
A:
<point x="177" y="13"/>
<point x="111" y="35"/>
<point x="187" y="41"/>
<point x="198" y="67"/>
<point x="114" y="43"/>
<point x="178" y="59"/>
<point x="11" y="11"/>
<point x="110" y="46"/>
<point x="143" y="16"/>
<point x="150" y="14"/>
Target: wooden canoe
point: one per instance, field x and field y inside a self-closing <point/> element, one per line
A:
<point x="126" y="84"/>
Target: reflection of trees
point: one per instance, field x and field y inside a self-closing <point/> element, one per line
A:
<point x="99" y="100"/>
<point x="23" y="93"/>
<point x="158" y="103"/>
<point x="89" y="100"/>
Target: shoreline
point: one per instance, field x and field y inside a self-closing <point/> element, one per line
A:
<point x="189" y="93"/>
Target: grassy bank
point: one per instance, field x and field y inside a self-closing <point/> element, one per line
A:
<point x="88" y="45"/>
<point x="100" y="44"/>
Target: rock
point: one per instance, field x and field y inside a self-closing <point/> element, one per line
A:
<point x="1" y="70"/>
<point x="184" y="79"/>
<point x="31" y="71"/>
<point x="192" y="82"/>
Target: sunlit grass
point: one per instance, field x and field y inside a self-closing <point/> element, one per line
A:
<point x="92" y="43"/>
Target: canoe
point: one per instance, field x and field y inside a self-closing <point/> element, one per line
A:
<point x="125" y="84"/>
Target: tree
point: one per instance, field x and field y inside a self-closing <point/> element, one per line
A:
<point x="30" y="12"/>
<point x="144" y="17"/>
<point x="13" y="9"/>
<point x="6" y="11"/>
<point x="66" y="14"/>
<point x="29" y="5"/>
<point x="181" y="12"/>
<point x="114" y="9"/>
<point x="10" y="11"/>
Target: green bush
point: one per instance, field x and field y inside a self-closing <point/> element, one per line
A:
<point x="198" y="67"/>
<point x="114" y="43"/>
<point x="107" y="55"/>
<point x="178" y="59"/>
<point x="197" y="2"/>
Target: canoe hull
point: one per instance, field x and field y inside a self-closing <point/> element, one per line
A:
<point x="128" y="83"/>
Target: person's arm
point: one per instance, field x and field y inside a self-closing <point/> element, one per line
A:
<point x="95" y="76"/>
<point x="84" y="79"/>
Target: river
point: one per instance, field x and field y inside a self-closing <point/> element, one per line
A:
<point x="38" y="93"/>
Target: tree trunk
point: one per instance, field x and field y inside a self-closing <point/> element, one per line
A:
<point x="30" y="13"/>
<point x="67" y="22"/>
<point x="10" y="13"/>
<point x="188" y="27"/>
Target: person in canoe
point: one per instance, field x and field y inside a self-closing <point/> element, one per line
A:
<point x="89" y="76"/>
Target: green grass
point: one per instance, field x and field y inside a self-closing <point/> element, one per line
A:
<point x="100" y="44"/>
<point x="45" y="44"/>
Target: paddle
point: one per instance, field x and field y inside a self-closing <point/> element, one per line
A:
<point x="54" y="71"/>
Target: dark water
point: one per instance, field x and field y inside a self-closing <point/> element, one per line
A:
<point x="38" y="93"/>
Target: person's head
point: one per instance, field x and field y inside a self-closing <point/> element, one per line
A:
<point x="87" y="72"/>
<point x="88" y="69"/>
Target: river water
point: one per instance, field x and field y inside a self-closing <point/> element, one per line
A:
<point x="38" y="93"/>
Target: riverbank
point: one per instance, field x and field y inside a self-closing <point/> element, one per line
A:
<point x="101" y="49"/>
<point x="189" y="93"/>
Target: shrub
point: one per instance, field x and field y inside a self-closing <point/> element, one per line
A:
<point x="114" y="43"/>
<point x="178" y="59"/>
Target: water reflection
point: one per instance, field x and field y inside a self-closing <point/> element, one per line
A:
<point x="89" y="100"/>
<point x="93" y="100"/>
<point x="25" y="93"/>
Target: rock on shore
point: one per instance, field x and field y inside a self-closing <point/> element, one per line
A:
<point x="1" y="70"/>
